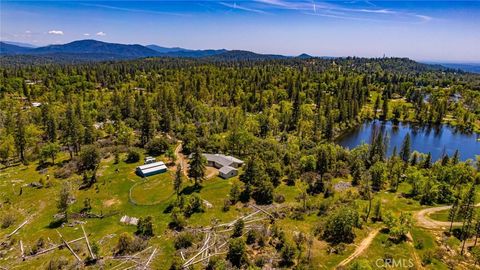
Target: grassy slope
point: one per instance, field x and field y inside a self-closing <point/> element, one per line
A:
<point x="111" y="194"/>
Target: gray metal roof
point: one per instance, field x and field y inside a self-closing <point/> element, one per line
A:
<point x="226" y="169"/>
<point x="222" y="159"/>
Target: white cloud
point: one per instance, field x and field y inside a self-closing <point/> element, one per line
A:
<point x="102" y="34"/>
<point x="235" y="6"/>
<point x="86" y="34"/>
<point x="55" y="32"/>
<point x="28" y="32"/>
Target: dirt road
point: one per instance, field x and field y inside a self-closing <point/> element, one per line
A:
<point x="361" y="248"/>
<point x="423" y="219"/>
<point x="211" y="172"/>
<point x="181" y="159"/>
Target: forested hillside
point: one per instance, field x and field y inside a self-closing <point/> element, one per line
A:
<point x="72" y="134"/>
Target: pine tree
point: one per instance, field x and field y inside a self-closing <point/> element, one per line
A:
<point x="377" y="212"/>
<point x="385" y="108"/>
<point x="427" y="163"/>
<point x="62" y="202"/>
<point x="405" y="149"/>
<point x="20" y="135"/>
<point x="177" y="182"/>
<point x="197" y="167"/>
<point x="467" y="208"/>
<point x="376" y="106"/>
<point x="456" y="157"/>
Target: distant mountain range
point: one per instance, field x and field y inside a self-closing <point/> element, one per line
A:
<point x="468" y="67"/>
<point x="93" y="50"/>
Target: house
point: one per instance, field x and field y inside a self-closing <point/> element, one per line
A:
<point x="227" y="165"/>
<point x="151" y="169"/>
<point x="218" y="161"/>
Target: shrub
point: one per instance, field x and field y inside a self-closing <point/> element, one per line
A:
<point x="184" y="240"/>
<point x="7" y="220"/>
<point x="238" y="228"/>
<point x="339" y="226"/>
<point x="226" y="205"/>
<point x="427" y="257"/>
<point x="157" y="146"/>
<point x="279" y="198"/>
<point x="89" y="158"/>
<point x="287" y="253"/>
<point x="419" y="244"/>
<point x="132" y="156"/>
<point x="252" y="236"/>
<point x="237" y="252"/>
<point x="145" y="227"/>
<point x="66" y="171"/>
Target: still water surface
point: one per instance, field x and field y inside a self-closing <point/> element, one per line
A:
<point x="434" y="139"/>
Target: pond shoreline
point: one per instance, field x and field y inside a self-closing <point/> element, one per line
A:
<point x="434" y="138"/>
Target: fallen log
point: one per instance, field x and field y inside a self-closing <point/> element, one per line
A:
<point x="53" y="248"/>
<point x="149" y="259"/>
<point x="88" y="243"/>
<point x="17" y="229"/>
<point x="264" y="211"/>
<point x="69" y="247"/>
<point x="128" y="259"/>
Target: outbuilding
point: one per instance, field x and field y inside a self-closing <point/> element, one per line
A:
<point x="151" y="169"/>
<point x="227" y="172"/>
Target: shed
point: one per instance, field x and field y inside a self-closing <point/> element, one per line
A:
<point x="227" y="172"/>
<point x="151" y="169"/>
<point x="149" y="160"/>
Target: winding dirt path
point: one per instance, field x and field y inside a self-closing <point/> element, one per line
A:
<point x="181" y="159"/>
<point x="360" y="249"/>
<point x="184" y="163"/>
<point x="423" y="219"/>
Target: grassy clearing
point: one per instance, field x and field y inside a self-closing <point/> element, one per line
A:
<point x="110" y="195"/>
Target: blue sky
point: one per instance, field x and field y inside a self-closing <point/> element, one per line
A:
<point x="421" y="30"/>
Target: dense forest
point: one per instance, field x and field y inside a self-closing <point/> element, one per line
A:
<point x="281" y="116"/>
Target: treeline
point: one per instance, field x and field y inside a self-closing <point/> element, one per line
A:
<point x="226" y="105"/>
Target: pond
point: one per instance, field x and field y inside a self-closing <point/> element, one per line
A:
<point x="437" y="139"/>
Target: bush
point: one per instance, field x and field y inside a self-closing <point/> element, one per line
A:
<point x="287" y="254"/>
<point x="157" y="146"/>
<point x="66" y="171"/>
<point x="252" y="236"/>
<point x="427" y="257"/>
<point x="360" y="265"/>
<point x="128" y="244"/>
<point x="237" y="252"/>
<point x="226" y="205"/>
<point x="419" y="244"/>
<point x="132" y="156"/>
<point x="279" y="198"/>
<point x="7" y="221"/>
<point x="339" y="226"/>
<point x="184" y="240"/>
<point x="194" y="205"/>
<point x="89" y="158"/>
<point x="145" y="227"/>
<point x="177" y="264"/>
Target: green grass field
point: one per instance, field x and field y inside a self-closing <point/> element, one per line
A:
<point x="119" y="192"/>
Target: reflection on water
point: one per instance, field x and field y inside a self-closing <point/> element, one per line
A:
<point x="436" y="139"/>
